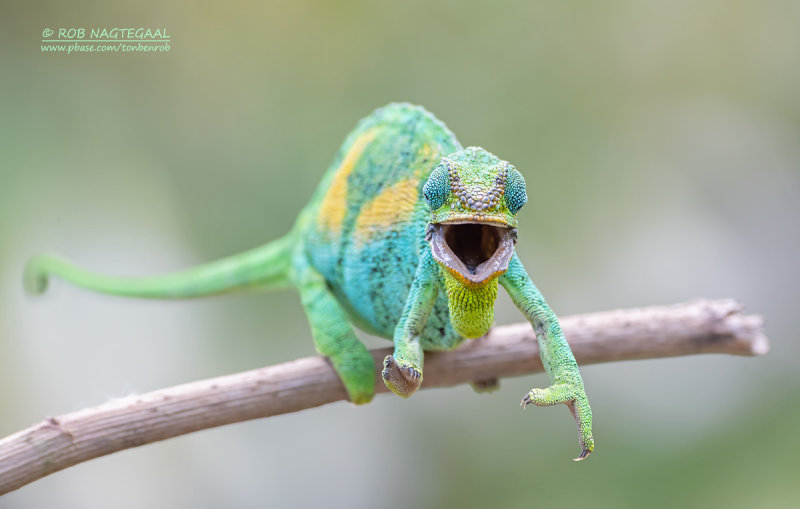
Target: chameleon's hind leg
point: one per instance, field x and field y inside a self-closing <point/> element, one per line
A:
<point x="334" y="336"/>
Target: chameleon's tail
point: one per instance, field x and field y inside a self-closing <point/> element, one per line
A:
<point x="265" y="266"/>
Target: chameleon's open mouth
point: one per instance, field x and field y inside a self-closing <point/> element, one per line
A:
<point x="475" y="251"/>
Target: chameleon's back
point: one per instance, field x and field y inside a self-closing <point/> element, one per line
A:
<point x="365" y="225"/>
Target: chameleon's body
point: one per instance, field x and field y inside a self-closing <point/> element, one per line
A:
<point x="407" y="237"/>
<point x="366" y="223"/>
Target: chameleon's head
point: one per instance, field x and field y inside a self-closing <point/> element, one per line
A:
<point x="474" y="197"/>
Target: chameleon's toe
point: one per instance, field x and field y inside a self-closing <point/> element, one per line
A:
<point x="535" y="397"/>
<point x="402" y="378"/>
<point x="575" y="398"/>
<point x="583" y="418"/>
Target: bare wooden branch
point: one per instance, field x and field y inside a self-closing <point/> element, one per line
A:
<point x="702" y="326"/>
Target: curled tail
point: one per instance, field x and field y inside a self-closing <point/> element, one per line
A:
<point x="265" y="266"/>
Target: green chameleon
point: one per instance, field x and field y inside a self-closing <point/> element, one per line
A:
<point x="406" y="237"/>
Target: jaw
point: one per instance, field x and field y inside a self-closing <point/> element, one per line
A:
<point x="474" y="251"/>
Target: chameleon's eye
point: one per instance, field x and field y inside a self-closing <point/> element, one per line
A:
<point x="437" y="187"/>
<point x="515" y="193"/>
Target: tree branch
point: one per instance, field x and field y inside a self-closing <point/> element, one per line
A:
<point x="702" y="326"/>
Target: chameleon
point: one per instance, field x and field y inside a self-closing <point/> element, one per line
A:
<point x="407" y="237"/>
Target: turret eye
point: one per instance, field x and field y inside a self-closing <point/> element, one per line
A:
<point x="436" y="188"/>
<point x="515" y="194"/>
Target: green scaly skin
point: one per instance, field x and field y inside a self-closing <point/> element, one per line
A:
<point x="406" y="237"/>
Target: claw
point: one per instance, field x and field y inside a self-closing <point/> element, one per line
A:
<point x="527" y="400"/>
<point x="582" y="455"/>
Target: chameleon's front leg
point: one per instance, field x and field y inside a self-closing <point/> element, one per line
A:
<point x="557" y="358"/>
<point x="402" y="372"/>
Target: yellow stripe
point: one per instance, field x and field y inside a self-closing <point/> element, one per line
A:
<point x="334" y="204"/>
<point x="394" y="205"/>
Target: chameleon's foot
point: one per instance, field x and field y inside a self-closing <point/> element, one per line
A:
<point x="356" y="370"/>
<point x="402" y="378"/>
<point x="357" y="373"/>
<point x="578" y="404"/>
<point x="360" y="397"/>
<point x="485" y="385"/>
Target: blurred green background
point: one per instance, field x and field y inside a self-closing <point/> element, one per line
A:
<point x="660" y="141"/>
